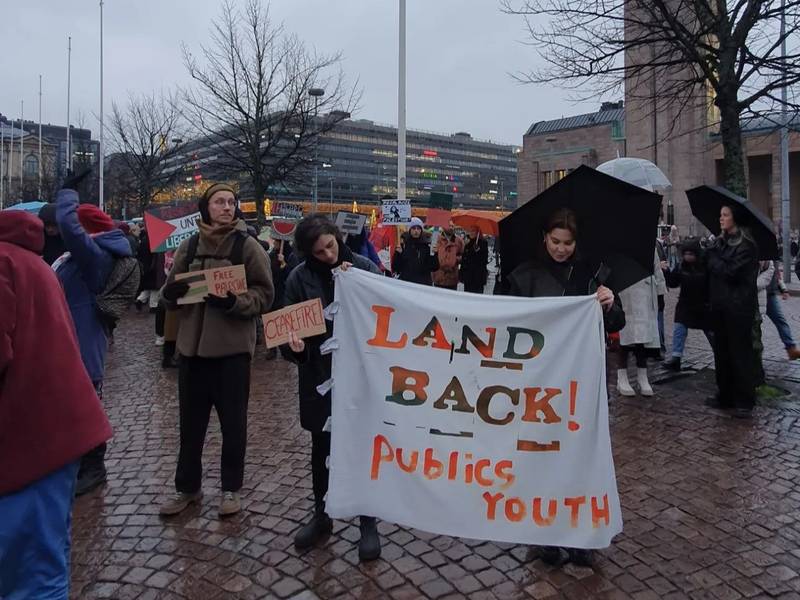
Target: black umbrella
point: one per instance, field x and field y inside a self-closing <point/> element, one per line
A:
<point x="706" y="202"/>
<point x="617" y="225"/>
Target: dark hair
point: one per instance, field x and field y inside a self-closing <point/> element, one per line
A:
<point x="310" y="229"/>
<point x="738" y="213"/>
<point x="562" y="218"/>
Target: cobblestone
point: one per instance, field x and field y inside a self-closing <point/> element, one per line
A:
<point x="710" y="504"/>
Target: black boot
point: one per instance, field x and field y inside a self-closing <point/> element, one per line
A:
<point x="580" y="557"/>
<point x="168" y="361"/>
<point x="552" y="555"/>
<point x="369" y="546"/>
<point x="92" y="472"/>
<point x="673" y="364"/>
<point x="317" y="528"/>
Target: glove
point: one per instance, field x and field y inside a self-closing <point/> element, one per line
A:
<point x="223" y="302"/>
<point x="73" y="181"/>
<point x="174" y="290"/>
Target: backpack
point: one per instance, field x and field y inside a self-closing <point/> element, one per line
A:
<point x="119" y="292"/>
<point x="236" y="256"/>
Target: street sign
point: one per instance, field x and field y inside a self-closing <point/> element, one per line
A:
<point x="396" y="212"/>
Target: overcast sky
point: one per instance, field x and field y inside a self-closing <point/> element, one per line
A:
<point x="460" y="54"/>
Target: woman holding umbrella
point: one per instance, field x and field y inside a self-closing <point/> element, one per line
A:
<point x="733" y="269"/>
<point x="558" y="271"/>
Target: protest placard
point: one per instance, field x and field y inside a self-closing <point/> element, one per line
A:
<point x="287" y="210"/>
<point x="168" y="226"/>
<point x="215" y="282"/>
<point x="283" y="229"/>
<point x="305" y="319"/>
<point x="396" y="212"/>
<point x="472" y="416"/>
<point x="350" y="223"/>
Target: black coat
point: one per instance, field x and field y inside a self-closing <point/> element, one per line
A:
<point x="312" y="367"/>
<point x="474" y="261"/>
<point x="543" y="278"/>
<point x="732" y="271"/>
<point x="692" y="307"/>
<point x="415" y="263"/>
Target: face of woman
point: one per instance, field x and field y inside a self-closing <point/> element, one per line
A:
<point x="416" y="232"/>
<point x="726" y="222"/>
<point x="326" y="249"/>
<point x="221" y="208"/>
<point x="560" y="244"/>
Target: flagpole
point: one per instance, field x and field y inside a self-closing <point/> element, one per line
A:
<point x="21" y="137"/>
<point x="401" y="106"/>
<point x="2" y="161"/>
<point x="69" y="73"/>
<point x="40" y="137"/>
<point x="102" y="148"/>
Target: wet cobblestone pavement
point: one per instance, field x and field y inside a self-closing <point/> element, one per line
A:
<point x="711" y="505"/>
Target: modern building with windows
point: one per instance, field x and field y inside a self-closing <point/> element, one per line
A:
<point x="357" y="162"/>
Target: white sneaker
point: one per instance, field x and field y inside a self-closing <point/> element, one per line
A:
<point x="644" y="384"/>
<point x="159" y="340"/>
<point x="623" y="385"/>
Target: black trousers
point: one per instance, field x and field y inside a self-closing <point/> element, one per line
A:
<point x="161" y="317"/>
<point x="473" y="287"/>
<point x="734" y="359"/>
<point x="224" y="384"/>
<point x="639" y="351"/>
<point x="320" y="450"/>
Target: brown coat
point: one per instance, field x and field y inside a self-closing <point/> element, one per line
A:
<point x="210" y="332"/>
<point x="449" y="254"/>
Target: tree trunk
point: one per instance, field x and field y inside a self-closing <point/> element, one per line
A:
<point x="731" y="133"/>
<point x="260" y="192"/>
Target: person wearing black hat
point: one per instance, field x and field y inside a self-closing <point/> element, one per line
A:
<point x="53" y="244"/>
<point x="733" y="269"/>
<point x="216" y="341"/>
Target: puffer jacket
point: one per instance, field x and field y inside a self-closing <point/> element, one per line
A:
<point x="415" y="263"/>
<point x="733" y="269"/>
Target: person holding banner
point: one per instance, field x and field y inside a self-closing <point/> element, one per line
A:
<point x="559" y="271"/>
<point x="320" y="241"/>
<point x="216" y="342"/>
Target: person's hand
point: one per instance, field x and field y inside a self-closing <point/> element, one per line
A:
<point x="399" y="249"/>
<point x="281" y="260"/>
<point x="175" y="290"/>
<point x="664" y="265"/>
<point x="222" y="302"/>
<point x="605" y="297"/>
<point x="73" y="181"/>
<point x="295" y="343"/>
<point x="345" y="266"/>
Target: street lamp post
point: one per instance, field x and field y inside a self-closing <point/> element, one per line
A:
<point x="315" y="93"/>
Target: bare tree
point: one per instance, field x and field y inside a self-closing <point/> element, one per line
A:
<point x="687" y="52"/>
<point x="147" y="138"/>
<point x="251" y="102"/>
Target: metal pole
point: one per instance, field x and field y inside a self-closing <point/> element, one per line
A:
<point x="102" y="148"/>
<point x="69" y="73"/>
<point x="785" y="200"/>
<point x="40" y="137"/>
<point x="2" y="157"/>
<point x="331" y="196"/>
<point x="401" y="106"/>
<point x="21" y="137"/>
<point x="10" y="168"/>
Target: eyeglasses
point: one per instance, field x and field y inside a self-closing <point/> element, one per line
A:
<point x="224" y="202"/>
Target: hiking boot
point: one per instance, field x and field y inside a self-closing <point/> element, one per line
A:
<point x="317" y="528"/>
<point x="230" y="504"/>
<point x="552" y="555"/>
<point x="179" y="502"/>
<point x="793" y="352"/>
<point x="89" y="480"/>
<point x="673" y="364"/>
<point x="369" y="546"/>
<point x="580" y="557"/>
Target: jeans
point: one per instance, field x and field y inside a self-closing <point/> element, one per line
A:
<point x="679" y="334"/>
<point x="775" y="313"/>
<point x="35" y="538"/>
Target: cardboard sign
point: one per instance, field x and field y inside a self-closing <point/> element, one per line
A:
<point x="396" y="212"/>
<point x="484" y="417"/>
<point x="351" y="223"/>
<point x="214" y="282"/>
<point x="305" y="319"/>
<point x="168" y="226"/>
<point x="287" y="210"/>
<point x="283" y="229"/>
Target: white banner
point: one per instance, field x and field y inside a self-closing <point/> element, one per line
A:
<point x="473" y="416"/>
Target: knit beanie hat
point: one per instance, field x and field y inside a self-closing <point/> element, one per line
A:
<point x="93" y="220"/>
<point x="202" y="205"/>
<point x="415" y="222"/>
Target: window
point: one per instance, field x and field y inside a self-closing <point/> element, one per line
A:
<point x="617" y="130"/>
<point x="31" y="166"/>
<point x="560" y="174"/>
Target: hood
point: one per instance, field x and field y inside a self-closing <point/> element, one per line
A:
<point x="22" y="229"/>
<point x="115" y="242"/>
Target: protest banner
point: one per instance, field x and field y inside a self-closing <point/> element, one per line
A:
<point x="168" y="226"/>
<point x="350" y="223"/>
<point x="304" y="318"/>
<point x="464" y="415"/>
<point x="396" y="212"/>
<point x="287" y="210"/>
<point x="215" y="282"/>
<point x="283" y="229"/>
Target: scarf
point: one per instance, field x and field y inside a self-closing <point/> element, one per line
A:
<point x="324" y="271"/>
<point x="214" y="235"/>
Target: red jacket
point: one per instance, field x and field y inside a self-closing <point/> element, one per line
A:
<point x="49" y="412"/>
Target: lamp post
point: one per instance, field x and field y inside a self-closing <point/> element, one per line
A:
<point x="315" y="93"/>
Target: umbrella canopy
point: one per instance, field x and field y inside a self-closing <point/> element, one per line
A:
<point x="31" y="207"/>
<point x="636" y="171"/>
<point x="486" y="222"/>
<point x="617" y="224"/>
<point x="706" y="202"/>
